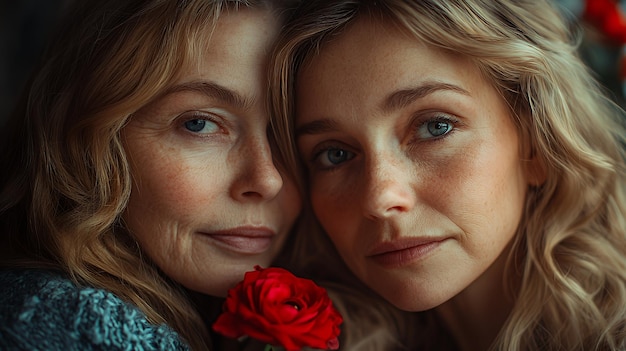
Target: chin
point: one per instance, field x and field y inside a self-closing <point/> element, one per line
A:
<point x="411" y="299"/>
<point x="414" y="304"/>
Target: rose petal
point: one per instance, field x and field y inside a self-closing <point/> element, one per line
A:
<point x="278" y="308"/>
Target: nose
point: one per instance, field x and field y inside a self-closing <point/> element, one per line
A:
<point x="388" y="191"/>
<point x="257" y="177"/>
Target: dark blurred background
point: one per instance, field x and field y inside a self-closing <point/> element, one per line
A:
<point x="24" y="29"/>
<point x="26" y="24"/>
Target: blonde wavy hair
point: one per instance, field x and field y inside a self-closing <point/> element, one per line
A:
<point x="570" y="247"/>
<point x="66" y="180"/>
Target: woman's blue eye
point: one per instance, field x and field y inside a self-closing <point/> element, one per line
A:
<point x="202" y="126"/>
<point x="438" y="128"/>
<point x="434" y="129"/>
<point x="334" y="156"/>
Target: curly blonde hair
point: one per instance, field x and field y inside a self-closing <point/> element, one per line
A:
<point x="66" y="179"/>
<point x="570" y="246"/>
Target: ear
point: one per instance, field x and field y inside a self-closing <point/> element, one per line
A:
<point x="535" y="168"/>
<point x="533" y="162"/>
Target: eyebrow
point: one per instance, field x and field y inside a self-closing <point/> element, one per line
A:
<point x="215" y="91"/>
<point x="395" y="101"/>
<point x="404" y="97"/>
<point x="319" y="126"/>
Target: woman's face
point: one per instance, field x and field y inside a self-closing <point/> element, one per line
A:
<point x="413" y="161"/>
<point x="208" y="202"/>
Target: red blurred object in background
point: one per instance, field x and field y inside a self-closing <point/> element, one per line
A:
<point x="609" y="18"/>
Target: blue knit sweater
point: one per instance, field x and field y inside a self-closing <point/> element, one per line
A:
<point x="41" y="310"/>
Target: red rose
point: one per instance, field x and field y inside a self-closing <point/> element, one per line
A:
<point x="276" y="307"/>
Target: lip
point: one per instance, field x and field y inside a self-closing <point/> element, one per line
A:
<point x="398" y="253"/>
<point x="244" y="240"/>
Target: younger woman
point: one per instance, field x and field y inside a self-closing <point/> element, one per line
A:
<point x="466" y="166"/>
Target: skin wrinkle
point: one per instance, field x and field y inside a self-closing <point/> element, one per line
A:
<point x="467" y="187"/>
<point x="562" y="172"/>
<point x="193" y="183"/>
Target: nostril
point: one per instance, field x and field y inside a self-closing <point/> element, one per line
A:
<point x="250" y="194"/>
<point x="388" y="197"/>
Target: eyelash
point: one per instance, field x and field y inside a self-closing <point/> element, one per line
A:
<point x="315" y="159"/>
<point x="418" y="123"/>
<point x="199" y="116"/>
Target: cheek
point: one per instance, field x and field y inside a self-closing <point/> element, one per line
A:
<point x="337" y="212"/>
<point x="331" y="197"/>
<point x="169" y="183"/>
<point x="171" y="194"/>
<point x="489" y="195"/>
<point x="320" y="208"/>
<point x="169" y="186"/>
<point x="290" y="201"/>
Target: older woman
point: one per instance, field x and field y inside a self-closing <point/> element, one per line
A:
<point x="138" y="176"/>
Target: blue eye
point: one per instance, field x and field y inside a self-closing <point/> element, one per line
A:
<point x="201" y="126"/>
<point x="434" y="128"/>
<point x="331" y="157"/>
<point x="438" y="128"/>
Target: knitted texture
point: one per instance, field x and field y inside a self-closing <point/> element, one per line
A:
<point x="41" y="310"/>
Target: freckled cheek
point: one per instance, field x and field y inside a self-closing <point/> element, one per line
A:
<point x="439" y="181"/>
<point x="490" y="193"/>
<point x="337" y="216"/>
<point x="334" y="202"/>
<point x="500" y="173"/>
<point x="176" y="189"/>
<point x="290" y="202"/>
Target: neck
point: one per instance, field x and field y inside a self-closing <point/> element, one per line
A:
<point x="476" y="315"/>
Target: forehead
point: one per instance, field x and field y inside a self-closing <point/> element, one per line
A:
<point x="370" y="58"/>
<point x="237" y="29"/>
<point x="242" y="33"/>
<point x="234" y="52"/>
<point x="378" y="41"/>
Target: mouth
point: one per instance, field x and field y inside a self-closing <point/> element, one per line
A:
<point x="244" y="240"/>
<point x="399" y="253"/>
